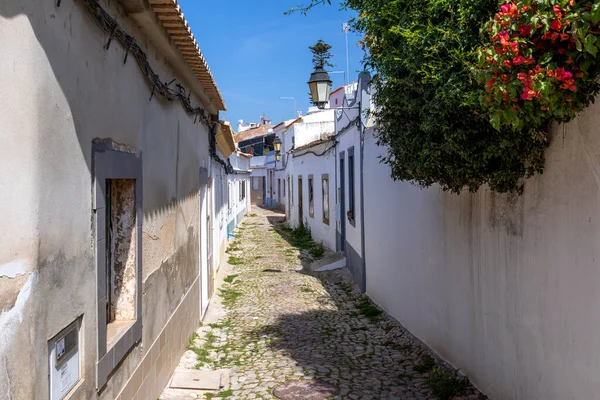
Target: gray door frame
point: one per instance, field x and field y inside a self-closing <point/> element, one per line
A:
<point x="342" y="200"/>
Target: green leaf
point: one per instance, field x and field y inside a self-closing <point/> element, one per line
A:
<point x="585" y="65"/>
<point x="495" y="120"/>
<point x="595" y="13"/>
<point x="589" y="45"/>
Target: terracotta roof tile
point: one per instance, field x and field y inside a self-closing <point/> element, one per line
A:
<point x="251" y="133"/>
<point x="172" y="19"/>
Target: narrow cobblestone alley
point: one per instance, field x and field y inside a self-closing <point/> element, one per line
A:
<point x="281" y="323"/>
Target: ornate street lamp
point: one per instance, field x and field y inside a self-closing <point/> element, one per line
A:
<point x="320" y="87"/>
<point x="277" y="145"/>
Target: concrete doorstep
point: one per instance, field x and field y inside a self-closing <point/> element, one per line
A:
<point x="193" y="384"/>
<point x="329" y="263"/>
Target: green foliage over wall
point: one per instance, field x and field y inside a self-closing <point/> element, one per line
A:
<point x="535" y="64"/>
<point x="427" y="97"/>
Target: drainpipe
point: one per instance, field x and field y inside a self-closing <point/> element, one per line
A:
<point x="362" y="180"/>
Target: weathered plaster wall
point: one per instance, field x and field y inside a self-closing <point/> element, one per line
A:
<point x="62" y="91"/>
<point x="503" y="287"/>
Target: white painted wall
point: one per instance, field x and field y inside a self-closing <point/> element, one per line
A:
<point x="236" y="205"/>
<point x="504" y="287"/>
<point x="313" y="127"/>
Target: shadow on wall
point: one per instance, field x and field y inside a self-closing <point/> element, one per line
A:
<point x="77" y="69"/>
<point x="59" y="84"/>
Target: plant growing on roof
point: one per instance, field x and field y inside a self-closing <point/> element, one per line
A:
<point x="321" y="54"/>
<point x="539" y="63"/>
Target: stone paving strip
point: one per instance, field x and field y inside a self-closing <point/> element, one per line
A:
<point x="281" y="324"/>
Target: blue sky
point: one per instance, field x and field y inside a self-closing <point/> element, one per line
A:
<point x="258" y="55"/>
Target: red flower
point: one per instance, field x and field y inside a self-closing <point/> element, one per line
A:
<point x="562" y="75"/>
<point x="579" y="74"/>
<point x="564" y="36"/>
<point x="530" y="60"/>
<point x="569" y="60"/>
<point x="528" y="94"/>
<point x="518" y="60"/>
<point x="558" y="11"/>
<point x="504" y="37"/>
<point x="525" y="30"/>
<point x="526" y="8"/>
<point x="556" y="25"/>
<point x="507" y="64"/>
<point x="522" y="76"/>
<point x="509" y="9"/>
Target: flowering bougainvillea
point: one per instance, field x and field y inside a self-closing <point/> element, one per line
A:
<point x="539" y="64"/>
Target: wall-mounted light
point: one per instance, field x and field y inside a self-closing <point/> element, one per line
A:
<point x="277" y="146"/>
<point x="320" y="87"/>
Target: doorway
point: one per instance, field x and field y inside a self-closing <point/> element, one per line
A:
<point x="342" y="201"/>
<point x="279" y="193"/>
<point x="300" y="213"/>
<point x="209" y="242"/>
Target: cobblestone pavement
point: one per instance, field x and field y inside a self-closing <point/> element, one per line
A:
<point x="282" y="323"/>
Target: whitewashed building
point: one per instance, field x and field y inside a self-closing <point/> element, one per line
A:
<point x="110" y="124"/>
<point x="306" y="172"/>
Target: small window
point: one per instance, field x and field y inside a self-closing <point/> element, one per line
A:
<point x="242" y="190"/>
<point x="325" y="183"/>
<point x="351" y="191"/>
<point x="311" y="198"/>
<point x="118" y="217"/>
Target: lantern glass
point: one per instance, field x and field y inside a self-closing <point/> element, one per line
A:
<point x="277" y="144"/>
<point x="320" y="87"/>
<point x="277" y="156"/>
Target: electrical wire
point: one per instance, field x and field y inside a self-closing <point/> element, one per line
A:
<point x="109" y="24"/>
